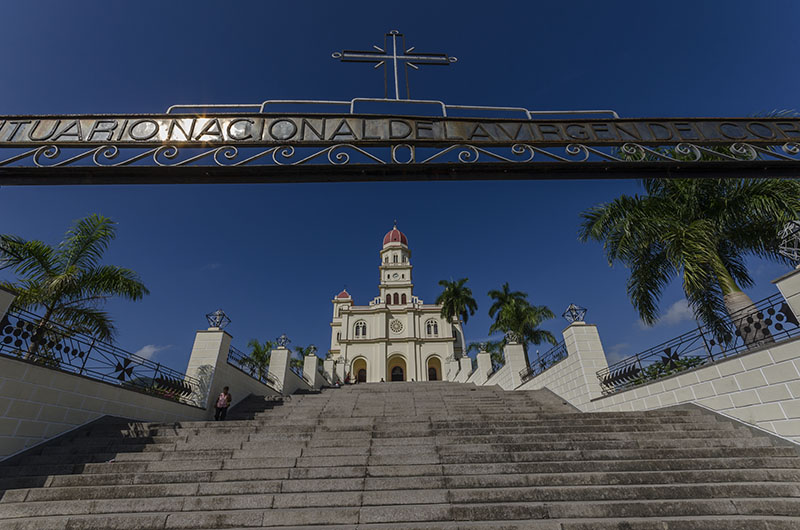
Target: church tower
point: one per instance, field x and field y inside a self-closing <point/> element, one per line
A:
<point x="396" y="337"/>
<point x="395" y="270"/>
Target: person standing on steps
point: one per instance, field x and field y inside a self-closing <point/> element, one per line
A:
<point x="223" y="402"/>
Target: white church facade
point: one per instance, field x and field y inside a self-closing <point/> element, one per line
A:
<point x="397" y="337"/>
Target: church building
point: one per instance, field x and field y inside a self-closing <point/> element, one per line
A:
<point x="397" y="337"/>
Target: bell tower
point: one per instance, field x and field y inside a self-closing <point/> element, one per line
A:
<point x="395" y="270"/>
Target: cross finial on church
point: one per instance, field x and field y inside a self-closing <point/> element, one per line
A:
<point x="395" y="223"/>
<point x="383" y="56"/>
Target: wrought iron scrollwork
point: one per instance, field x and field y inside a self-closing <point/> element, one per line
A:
<point x="766" y="322"/>
<point x="341" y="154"/>
<point x="25" y="336"/>
<point x="544" y="362"/>
<point x="244" y="363"/>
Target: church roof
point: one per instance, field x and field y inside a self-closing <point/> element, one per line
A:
<point x="343" y="294"/>
<point x="395" y="236"/>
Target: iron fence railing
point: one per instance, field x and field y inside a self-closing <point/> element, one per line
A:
<point x="25" y="336"/>
<point x="769" y="321"/>
<point x="552" y="356"/>
<point x="244" y="363"/>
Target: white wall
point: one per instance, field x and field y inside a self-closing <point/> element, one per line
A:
<point x="575" y="378"/>
<point x="761" y="388"/>
<point x="40" y="403"/>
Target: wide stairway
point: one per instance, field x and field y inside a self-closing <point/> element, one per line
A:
<point x="411" y="455"/>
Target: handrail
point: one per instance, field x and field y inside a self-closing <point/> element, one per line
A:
<point x="242" y="362"/>
<point x="24" y="335"/>
<point x="765" y="322"/>
<point x="544" y="362"/>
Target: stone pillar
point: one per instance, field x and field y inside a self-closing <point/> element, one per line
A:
<point x="6" y="297"/>
<point x="484" y="367"/>
<point x="330" y="370"/>
<point x="466" y="369"/>
<point x="310" y="369"/>
<point x="585" y="356"/>
<point x="209" y="353"/>
<point x="789" y="286"/>
<point x="279" y="366"/>
<point x="514" y="354"/>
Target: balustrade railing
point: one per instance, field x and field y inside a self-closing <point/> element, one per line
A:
<point x="543" y="362"/>
<point x="244" y="363"/>
<point x="769" y="321"/>
<point x="24" y="335"/>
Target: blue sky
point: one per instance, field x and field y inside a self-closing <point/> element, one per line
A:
<point x="272" y="256"/>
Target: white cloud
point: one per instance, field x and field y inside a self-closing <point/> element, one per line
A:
<point x="150" y="350"/>
<point x="675" y="314"/>
<point x="617" y="352"/>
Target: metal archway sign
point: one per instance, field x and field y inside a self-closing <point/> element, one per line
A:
<point x="251" y="143"/>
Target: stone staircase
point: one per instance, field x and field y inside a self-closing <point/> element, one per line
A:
<point x="410" y="455"/>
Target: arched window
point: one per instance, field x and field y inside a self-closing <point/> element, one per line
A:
<point x="338" y="337"/>
<point x="361" y="329"/>
<point x="403" y="299"/>
<point x="394" y="258"/>
<point x="396" y="299"/>
<point x="432" y="328"/>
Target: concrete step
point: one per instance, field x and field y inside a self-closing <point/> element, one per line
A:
<point x="411" y="456"/>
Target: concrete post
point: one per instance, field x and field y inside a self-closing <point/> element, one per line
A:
<point x="585" y="357"/>
<point x="466" y="369"/>
<point x="6" y="297"/>
<point x="329" y="368"/>
<point x="209" y="353"/>
<point x="310" y="369"/>
<point x="279" y="366"/>
<point x="484" y="367"/>
<point x="789" y="286"/>
<point x="514" y="354"/>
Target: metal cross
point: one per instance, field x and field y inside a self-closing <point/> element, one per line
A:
<point x="381" y="57"/>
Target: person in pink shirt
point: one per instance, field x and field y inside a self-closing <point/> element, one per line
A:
<point x="223" y="402"/>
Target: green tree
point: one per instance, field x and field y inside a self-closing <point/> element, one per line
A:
<point x="456" y="300"/>
<point x="514" y="313"/>
<point x="302" y="352"/>
<point x="493" y="347"/>
<point x="505" y="296"/>
<point x="67" y="282"/>
<point x="258" y="358"/>
<point x="701" y="230"/>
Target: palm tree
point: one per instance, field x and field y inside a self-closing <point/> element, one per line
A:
<point x="523" y="320"/>
<point x="456" y="300"/>
<point x="504" y="297"/>
<point x="302" y="352"/>
<point x="67" y="282"/>
<point x="700" y="230"/>
<point x="258" y="359"/>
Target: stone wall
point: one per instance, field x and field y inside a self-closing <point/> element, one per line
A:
<point x="761" y="387"/>
<point x="40" y="403"/>
<point x="574" y="378"/>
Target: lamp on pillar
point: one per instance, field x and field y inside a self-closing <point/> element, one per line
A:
<point x="218" y="319"/>
<point x="283" y="340"/>
<point x="574" y="313"/>
<point x="789" y="246"/>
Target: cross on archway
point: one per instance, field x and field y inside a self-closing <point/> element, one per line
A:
<point x="382" y="56"/>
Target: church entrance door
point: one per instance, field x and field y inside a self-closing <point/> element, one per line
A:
<point x="434" y="369"/>
<point x="360" y="370"/>
<point x="396" y="366"/>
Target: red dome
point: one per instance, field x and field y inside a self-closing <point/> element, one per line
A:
<point x="343" y="294"/>
<point x="395" y="236"/>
